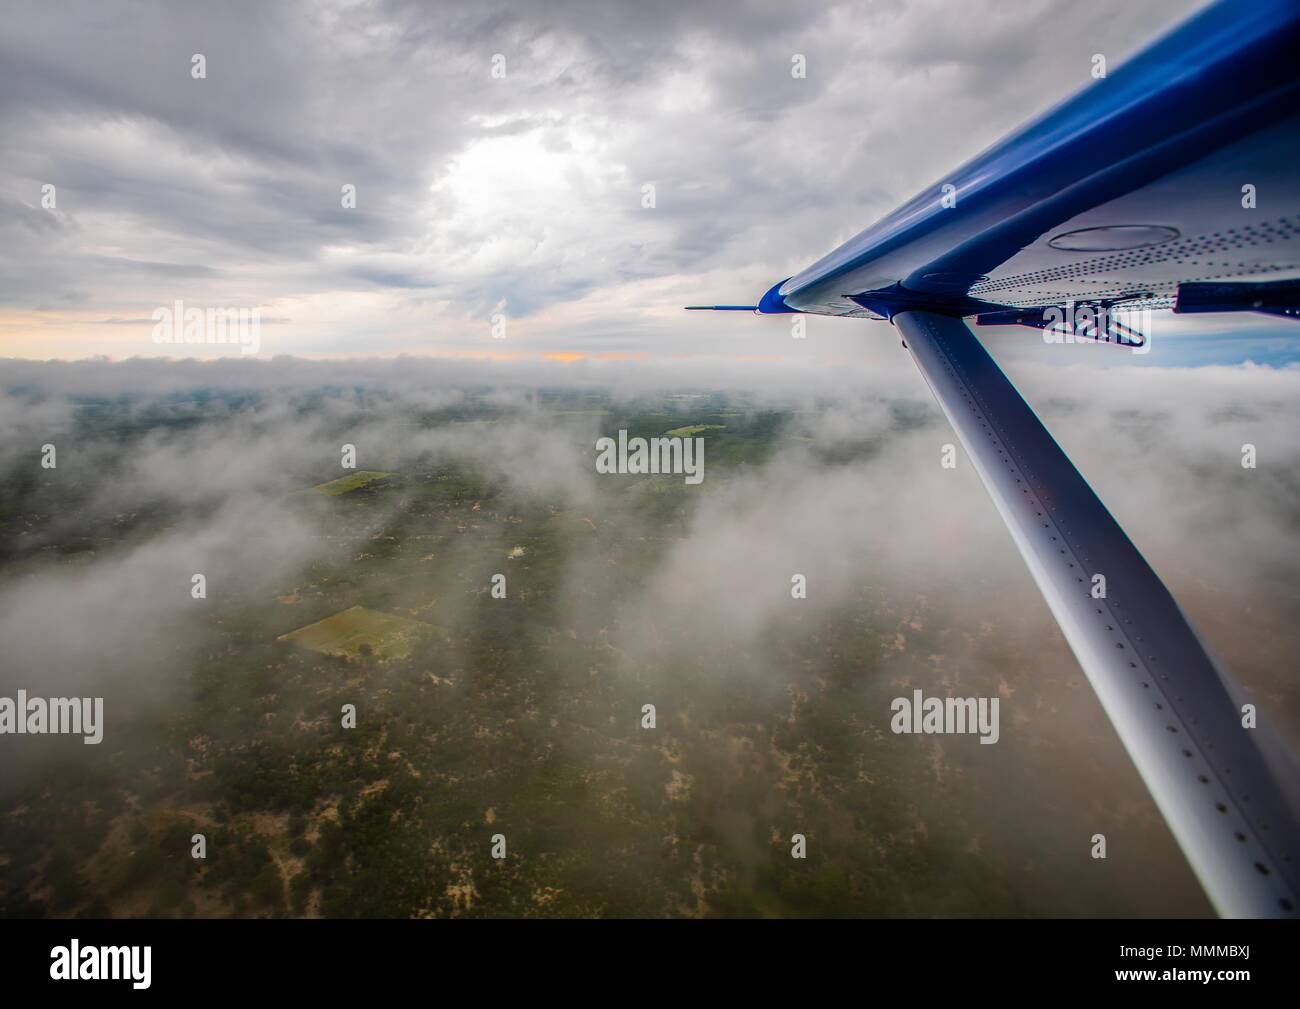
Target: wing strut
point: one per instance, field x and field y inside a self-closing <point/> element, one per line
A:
<point x="1226" y="791"/>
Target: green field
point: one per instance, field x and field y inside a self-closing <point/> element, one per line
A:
<point x="690" y="429"/>
<point x="351" y="482"/>
<point x="358" y="631"/>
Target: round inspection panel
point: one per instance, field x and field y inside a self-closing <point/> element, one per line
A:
<point x="1114" y="238"/>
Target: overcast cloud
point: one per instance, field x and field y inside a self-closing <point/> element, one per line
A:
<point x="474" y="194"/>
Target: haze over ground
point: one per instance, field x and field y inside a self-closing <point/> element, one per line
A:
<point x="524" y="197"/>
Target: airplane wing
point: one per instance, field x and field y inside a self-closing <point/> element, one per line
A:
<point x="1173" y="182"/>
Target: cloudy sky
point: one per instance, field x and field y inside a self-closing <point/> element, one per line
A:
<point x="477" y="194"/>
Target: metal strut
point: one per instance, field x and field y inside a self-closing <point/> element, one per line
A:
<point x="1228" y="793"/>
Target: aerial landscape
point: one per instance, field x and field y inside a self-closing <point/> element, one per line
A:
<point x="644" y="462"/>
<point x="521" y="716"/>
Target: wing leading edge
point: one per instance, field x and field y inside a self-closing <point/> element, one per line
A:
<point x="1128" y="190"/>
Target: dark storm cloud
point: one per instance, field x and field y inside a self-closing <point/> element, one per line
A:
<point x="230" y="185"/>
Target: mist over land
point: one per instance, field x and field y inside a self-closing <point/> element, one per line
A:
<point x="522" y="716"/>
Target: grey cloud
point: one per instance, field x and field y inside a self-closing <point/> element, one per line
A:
<point x="241" y="172"/>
